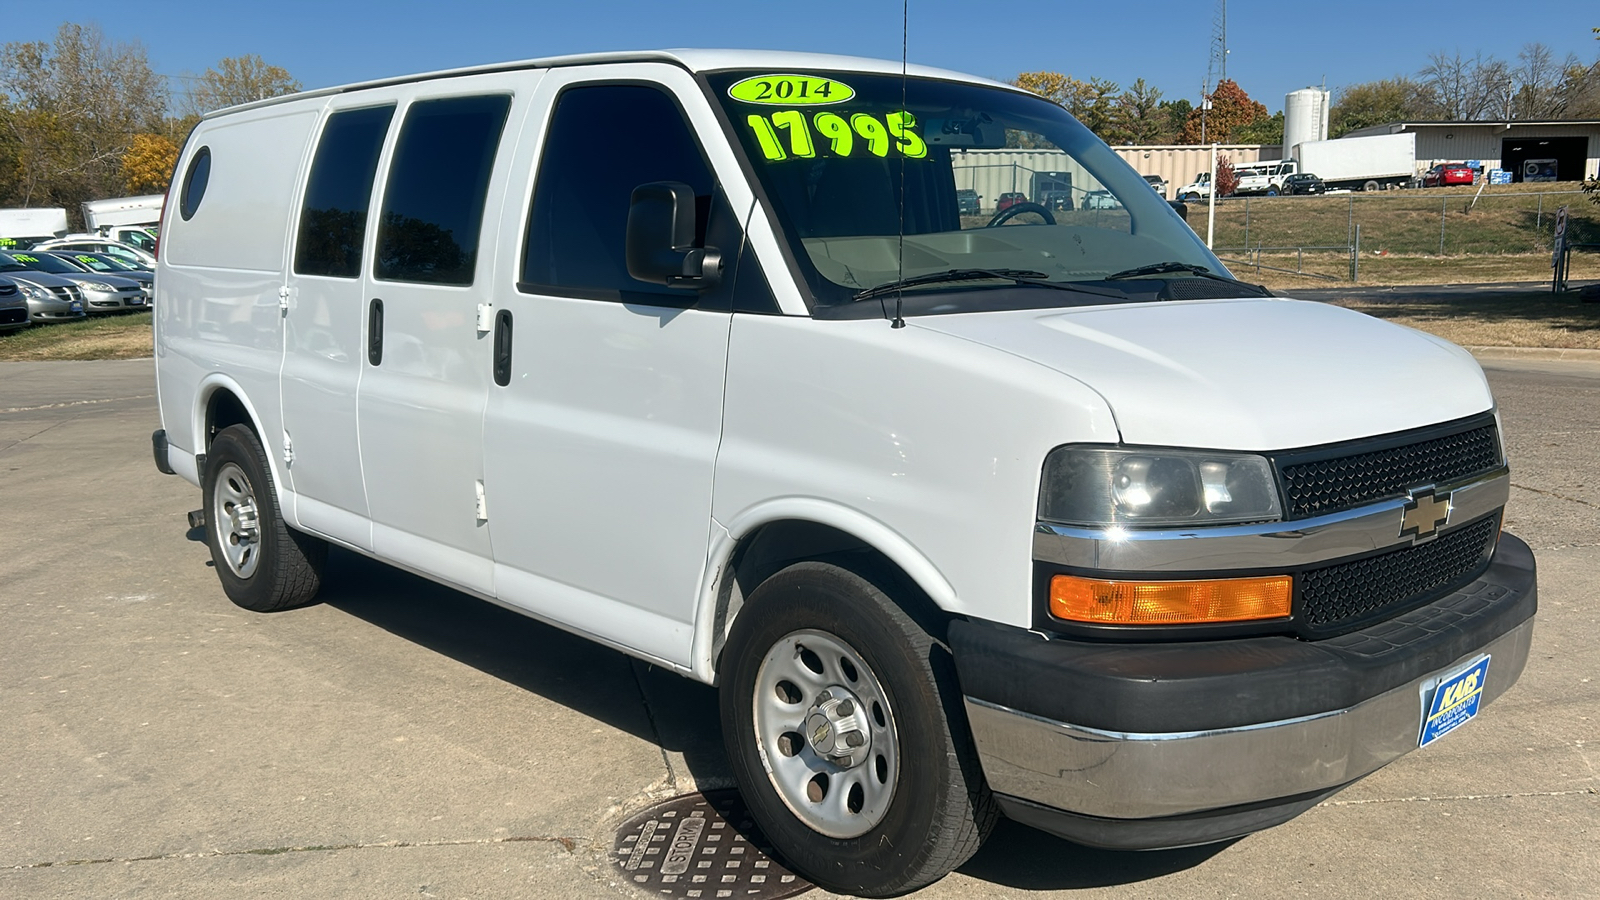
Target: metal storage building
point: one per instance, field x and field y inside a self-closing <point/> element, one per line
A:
<point x="1557" y="150"/>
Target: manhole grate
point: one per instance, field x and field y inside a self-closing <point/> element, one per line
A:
<point x="701" y="846"/>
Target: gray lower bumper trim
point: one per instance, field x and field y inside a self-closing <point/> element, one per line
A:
<point x="1133" y="776"/>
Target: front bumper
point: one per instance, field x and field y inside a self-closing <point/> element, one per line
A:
<point x="1139" y="746"/>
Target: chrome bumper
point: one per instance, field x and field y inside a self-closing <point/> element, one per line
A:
<point x="1137" y="776"/>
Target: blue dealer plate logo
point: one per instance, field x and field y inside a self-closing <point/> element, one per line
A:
<point x="1454" y="701"/>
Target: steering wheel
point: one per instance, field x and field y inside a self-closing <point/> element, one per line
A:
<point x="1005" y="215"/>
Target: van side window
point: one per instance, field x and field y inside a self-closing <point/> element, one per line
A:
<point x="604" y="141"/>
<point x="438" y="181"/>
<point x="333" y="219"/>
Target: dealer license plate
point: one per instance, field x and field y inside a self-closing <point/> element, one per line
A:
<point x="1453" y="702"/>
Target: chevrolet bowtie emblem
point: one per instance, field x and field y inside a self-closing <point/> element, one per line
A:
<point x="1424" y="513"/>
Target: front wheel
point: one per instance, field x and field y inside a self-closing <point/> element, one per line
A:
<point x="263" y="564"/>
<point x="1190" y="197"/>
<point x="844" y="725"/>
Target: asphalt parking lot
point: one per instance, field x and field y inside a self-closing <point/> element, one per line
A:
<point x="402" y="740"/>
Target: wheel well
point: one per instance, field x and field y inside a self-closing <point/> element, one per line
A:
<point x="224" y="409"/>
<point x="776" y="545"/>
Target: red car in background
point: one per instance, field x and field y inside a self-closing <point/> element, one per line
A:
<point x="1010" y="199"/>
<point x="1446" y="174"/>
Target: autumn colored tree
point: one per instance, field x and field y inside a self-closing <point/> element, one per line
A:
<point x="1091" y="102"/>
<point x="148" y="164"/>
<point x="74" y="104"/>
<point x="1227" y="178"/>
<point x="1231" y="109"/>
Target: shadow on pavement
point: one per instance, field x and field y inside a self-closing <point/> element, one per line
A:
<point x="668" y="710"/>
<point x="1021" y="857"/>
<point x="649" y="703"/>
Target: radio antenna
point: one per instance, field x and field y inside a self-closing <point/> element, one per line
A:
<point x="899" y="294"/>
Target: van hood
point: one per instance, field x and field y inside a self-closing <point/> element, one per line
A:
<point x="1252" y="374"/>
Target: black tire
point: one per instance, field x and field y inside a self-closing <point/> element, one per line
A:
<point x="1370" y="186"/>
<point x="1190" y="197"/>
<point x="938" y="810"/>
<point x="279" y="567"/>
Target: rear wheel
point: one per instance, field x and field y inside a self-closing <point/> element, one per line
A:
<point x="1370" y="186"/>
<point x="844" y="725"/>
<point x="263" y="564"/>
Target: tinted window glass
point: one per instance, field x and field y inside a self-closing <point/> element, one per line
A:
<point x="433" y="204"/>
<point x="577" y="227"/>
<point x="333" y="222"/>
<point x="194" y="183"/>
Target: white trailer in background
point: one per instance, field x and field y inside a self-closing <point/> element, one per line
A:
<point x="1361" y="163"/>
<point x="131" y="220"/>
<point x="20" y="228"/>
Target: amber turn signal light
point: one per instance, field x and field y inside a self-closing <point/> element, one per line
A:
<point x="1169" y="602"/>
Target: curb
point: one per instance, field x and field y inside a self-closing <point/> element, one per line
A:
<point x="1534" y="353"/>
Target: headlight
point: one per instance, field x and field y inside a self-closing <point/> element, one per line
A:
<point x="34" y="293"/>
<point x="98" y="286"/>
<point x="1096" y="486"/>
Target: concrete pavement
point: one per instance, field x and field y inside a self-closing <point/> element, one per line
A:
<point x="403" y="740"/>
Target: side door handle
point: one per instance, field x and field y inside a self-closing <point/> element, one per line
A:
<point x="375" y="332"/>
<point x="502" y="347"/>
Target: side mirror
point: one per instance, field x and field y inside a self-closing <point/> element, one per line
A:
<point x="660" y="239"/>
<point x="1181" y="208"/>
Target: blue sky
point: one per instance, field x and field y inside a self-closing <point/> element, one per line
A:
<point x="1275" y="47"/>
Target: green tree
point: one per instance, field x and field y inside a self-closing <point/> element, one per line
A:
<point x="1261" y="130"/>
<point x="1174" y="113"/>
<point x="236" y="80"/>
<point x="1136" y="116"/>
<point x="1370" y="103"/>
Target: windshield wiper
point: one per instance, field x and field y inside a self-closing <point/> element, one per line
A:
<point x="1015" y="276"/>
<point x="1163" y="268"/>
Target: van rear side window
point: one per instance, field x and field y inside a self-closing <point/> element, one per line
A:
<point x="433" y="203"/>
<point x="333" y="219"/>
<point x="194" y="183"/>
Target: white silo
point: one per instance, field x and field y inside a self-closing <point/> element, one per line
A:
<point x="1305" y="118"/>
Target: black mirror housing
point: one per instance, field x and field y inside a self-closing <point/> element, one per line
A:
<point x="661" y="239"/>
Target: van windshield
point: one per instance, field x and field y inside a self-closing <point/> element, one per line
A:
<point x="851" y="162"/>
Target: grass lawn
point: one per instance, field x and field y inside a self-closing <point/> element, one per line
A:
<point x="1490" y="319"/>
<point x="124" y="336"/>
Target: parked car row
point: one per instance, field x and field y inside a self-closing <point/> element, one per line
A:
<point x="43" y="286"/>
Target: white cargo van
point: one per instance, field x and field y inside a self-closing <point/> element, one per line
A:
<point x="693" y="353"/>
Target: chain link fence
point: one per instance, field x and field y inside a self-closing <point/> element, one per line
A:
<point x="1326" y="237"/>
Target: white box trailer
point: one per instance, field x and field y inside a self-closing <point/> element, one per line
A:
<point x="99" y="215"/>
<point x="21" y="227"/>
<point x="1361" y="163"/>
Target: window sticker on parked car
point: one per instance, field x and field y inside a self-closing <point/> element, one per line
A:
<point x="791" y="90"/>
<point x="836" y="134"/>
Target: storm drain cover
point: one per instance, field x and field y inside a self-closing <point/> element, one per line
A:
<point x="701" y="846"/>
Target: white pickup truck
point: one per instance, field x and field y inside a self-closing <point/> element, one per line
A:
<point x="694" y="354"/>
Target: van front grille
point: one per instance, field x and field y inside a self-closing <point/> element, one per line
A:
<point x="1321" y="486"/>
<point x="1345" y="595"/>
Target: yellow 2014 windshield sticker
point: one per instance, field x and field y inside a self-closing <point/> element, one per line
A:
<point x="793" y="133"/>
<point x="791" y="90"/>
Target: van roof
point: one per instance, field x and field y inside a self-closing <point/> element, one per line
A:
<point x="692" y="60"/>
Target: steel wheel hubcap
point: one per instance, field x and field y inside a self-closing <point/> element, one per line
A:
<point x="233" y="503"/>
<point x="826" y="733"/>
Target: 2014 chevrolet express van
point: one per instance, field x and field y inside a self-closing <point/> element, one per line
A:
<point x="693" y="353"/>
